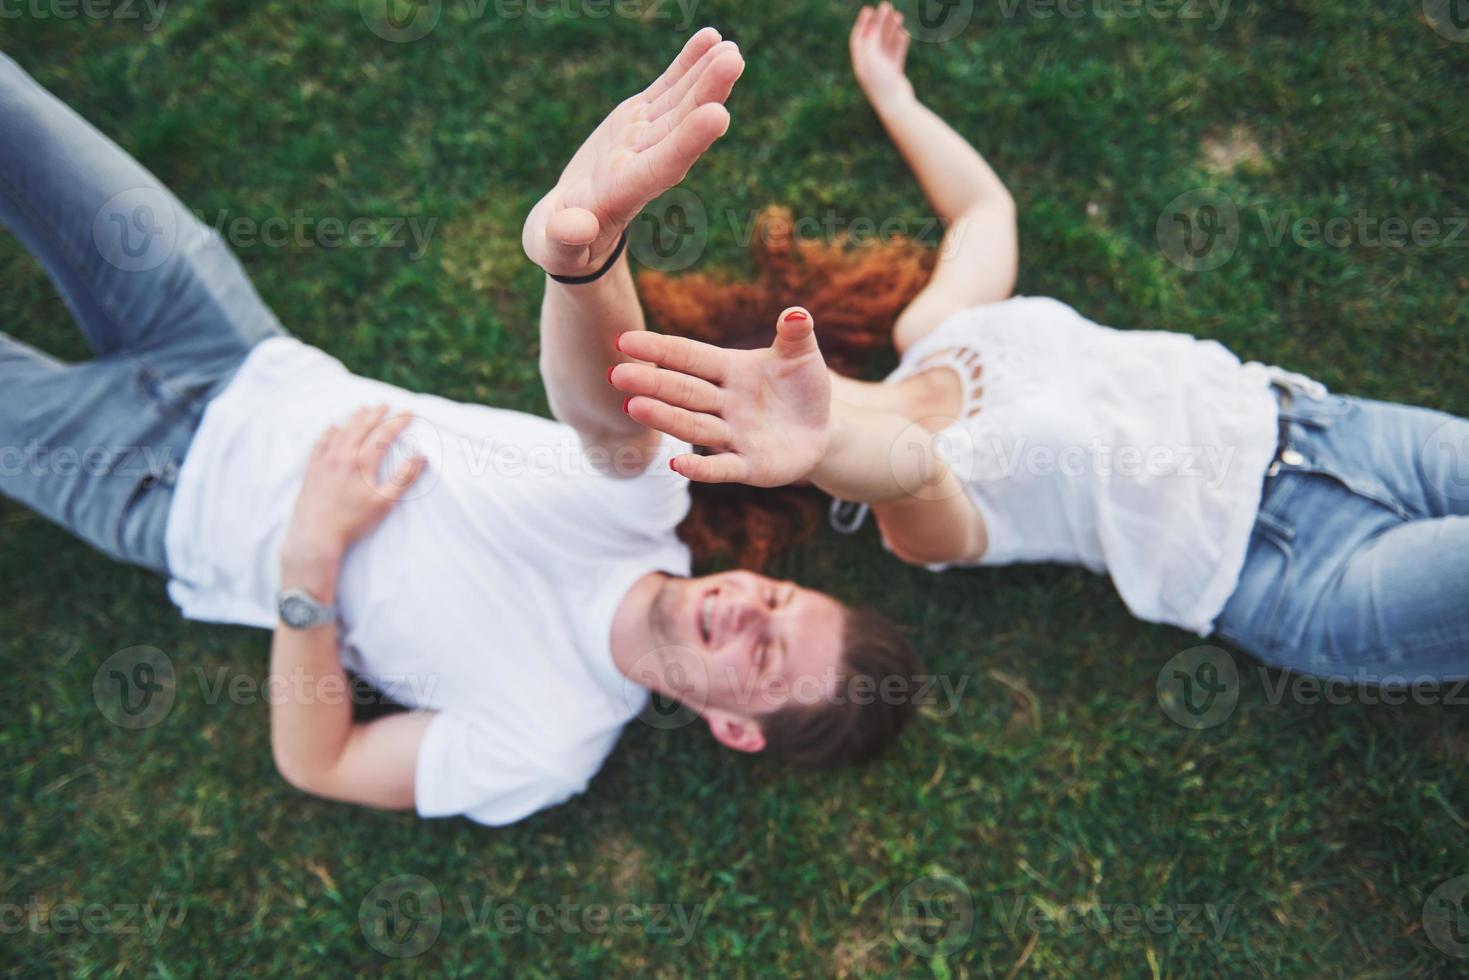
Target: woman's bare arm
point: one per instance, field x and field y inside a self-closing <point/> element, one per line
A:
<point x="979" y="256"/>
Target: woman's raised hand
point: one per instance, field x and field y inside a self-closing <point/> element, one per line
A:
<point x="763" y="414"/>
<point x="879" y="45"/>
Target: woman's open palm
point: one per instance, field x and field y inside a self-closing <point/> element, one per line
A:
<point x="762" y="414"/>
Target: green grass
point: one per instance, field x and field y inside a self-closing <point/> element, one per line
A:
<point x="1058" y="782"/>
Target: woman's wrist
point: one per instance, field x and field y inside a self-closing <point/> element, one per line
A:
<point x="893" y="100"/>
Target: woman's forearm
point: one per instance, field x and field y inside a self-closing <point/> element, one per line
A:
<point x="954" y="176"/>
<point x="876" y="456"/>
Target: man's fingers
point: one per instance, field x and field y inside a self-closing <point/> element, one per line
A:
<point x="568" y="235"/>
<point x="668" y="160"/>
<point x="677" y="389"/>
<point x="324" y="441"/>
<point x="713" y="85"/>
<point x="693" y="49"/>
<point x="721" y="53"/>
<point x="676" y="353"/>
<point x="720" y="468"/>
<point x="795" y="333"/>
<point x="692" y="427"/>
<point x="359" y="424"/>
<point x="403" y="478"/>
<point x="379" y="441"/>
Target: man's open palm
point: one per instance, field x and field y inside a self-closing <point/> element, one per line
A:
<point x="645" y="146"/>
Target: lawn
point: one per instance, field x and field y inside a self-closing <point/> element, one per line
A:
<point x="1056" y="822"/>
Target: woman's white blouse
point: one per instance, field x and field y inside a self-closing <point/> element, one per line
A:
<point x="1140" y="453"/>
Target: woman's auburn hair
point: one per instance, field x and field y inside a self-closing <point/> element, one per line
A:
<point x="854" y="292"/>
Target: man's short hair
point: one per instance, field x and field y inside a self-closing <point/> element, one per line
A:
<point x="865" y="713"/>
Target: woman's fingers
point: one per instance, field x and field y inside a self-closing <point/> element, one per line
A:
<point x="697" y="428"/>
<point x="694" y="49"/>
<point x="795" y="334"/>
<point x="720" y="468"/>
<point x="892" y="27"/>
<point x="676" y="354"/>
<point x="681" y="390"/>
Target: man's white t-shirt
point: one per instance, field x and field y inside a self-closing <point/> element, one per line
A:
<point x="486" y="595"/>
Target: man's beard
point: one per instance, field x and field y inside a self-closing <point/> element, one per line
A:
<point x="661" y="613"/>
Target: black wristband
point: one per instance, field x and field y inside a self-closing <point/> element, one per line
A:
<point x="583" y="280"/>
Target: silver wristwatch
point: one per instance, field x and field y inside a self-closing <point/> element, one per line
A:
<point x="301" y="610"/>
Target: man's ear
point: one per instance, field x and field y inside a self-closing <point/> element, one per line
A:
<point x="734" y="731"/>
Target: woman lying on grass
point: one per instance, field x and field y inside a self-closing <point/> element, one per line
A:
<point x="1322" y="533"/>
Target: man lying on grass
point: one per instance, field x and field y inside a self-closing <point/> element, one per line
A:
<point x="516" y="581"/>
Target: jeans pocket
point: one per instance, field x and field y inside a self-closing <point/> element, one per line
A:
<point x="1252" y="618"/>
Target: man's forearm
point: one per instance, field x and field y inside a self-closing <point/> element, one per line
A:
<point x="580" y="325"/>
<point x="310" y="710"/>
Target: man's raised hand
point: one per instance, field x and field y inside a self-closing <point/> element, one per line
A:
<point x="645" y="146"/>
<point x="763" y="414"/>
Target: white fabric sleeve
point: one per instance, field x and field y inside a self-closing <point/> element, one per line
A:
<point x="471" y="766"/>
<point x="647" y="506"/>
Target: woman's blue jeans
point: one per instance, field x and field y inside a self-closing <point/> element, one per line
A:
<point x="1358" y="568"/>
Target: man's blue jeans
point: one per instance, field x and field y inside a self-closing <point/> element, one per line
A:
<point x="166" y="308"/>
<point x="1359" y="564"/>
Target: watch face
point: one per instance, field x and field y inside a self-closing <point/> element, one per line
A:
<point x="297" y="612"/>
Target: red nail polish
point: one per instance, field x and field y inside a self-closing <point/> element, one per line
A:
<point x="618" y="342"/>
<point x="795" y="315"/>
<point x="672" y="467"/>
<point x="609" y="373"/>
<point x="624" y="403"/>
